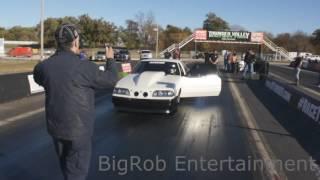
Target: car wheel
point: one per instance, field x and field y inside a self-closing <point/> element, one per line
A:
<point x="176" y="105"/>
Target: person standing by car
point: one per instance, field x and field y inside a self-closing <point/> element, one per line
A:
<point x="176" y="53"/>
<point x="248" y="59"/>
<point x="83" y="55"/>
<point x="109" y="52"/>
<point x="234" y="62"/>
<point x="225" y="61"/>
<point x="214" y="57"/>
<point x="70" y="86"/>
<point x="167" y="55"/>
<point x="298" y="65"/>
<point x="213" y="60"/>
<point x="229" y="62"/>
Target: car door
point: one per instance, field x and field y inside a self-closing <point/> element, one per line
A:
<point x="201" y="86"/>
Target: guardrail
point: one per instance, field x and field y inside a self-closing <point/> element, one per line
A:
<point x="303" y="102"/>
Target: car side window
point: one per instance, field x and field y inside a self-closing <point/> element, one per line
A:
<point x="173" y="69"/>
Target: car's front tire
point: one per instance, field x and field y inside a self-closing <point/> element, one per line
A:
<point x="175" y="105"/>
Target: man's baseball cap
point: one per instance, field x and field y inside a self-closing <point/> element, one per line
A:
<point x="66" y="33"/>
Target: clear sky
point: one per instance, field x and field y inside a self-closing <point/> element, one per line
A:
<point x="274" y="16"/>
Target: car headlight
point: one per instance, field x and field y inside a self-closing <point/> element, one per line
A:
<point x="163" y="93"/>
<point x="121" y="91"/>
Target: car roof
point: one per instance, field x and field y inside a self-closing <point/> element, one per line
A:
<point x="163" y="60"/>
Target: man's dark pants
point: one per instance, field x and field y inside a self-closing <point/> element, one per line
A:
<point x="74" y="156"/>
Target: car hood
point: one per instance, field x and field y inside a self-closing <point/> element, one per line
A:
<point x="149" y="80"/>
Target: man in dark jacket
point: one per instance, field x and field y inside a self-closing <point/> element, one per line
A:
<point x="248" y="59"/>
<point x="167" y="55"/>
<point x="70" y="85"/>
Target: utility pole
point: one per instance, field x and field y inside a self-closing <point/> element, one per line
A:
<point x="157" y="39"/>
<point x="42" y="30"/>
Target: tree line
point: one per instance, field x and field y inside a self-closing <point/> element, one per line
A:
<point x="140" y="33"/>
<point x="137" y="33"/>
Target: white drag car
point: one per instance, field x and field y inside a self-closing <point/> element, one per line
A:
<point x="157" y="86"/>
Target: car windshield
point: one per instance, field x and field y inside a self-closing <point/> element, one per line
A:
<point x="170" y="68"/>
<point x="124" y="51"/>
<point x="145" y="51"/>
<point x="101" y="53"/>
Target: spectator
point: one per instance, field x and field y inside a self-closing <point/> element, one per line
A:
<point x="167" y="55"/>
<point x="70" y="86"/>
<point x="234" y="62"/>
<point x="230" y="56"/>
<point x="225" y="60"/>
<point x="298" y="65"/>
<point x="214" y="57"/>
<point x="213" y="60"/>
<point x="248" y="59"/>
<point x="253" y="59"/>
<point x="82" y="55"/>
<point x="176" y="53"/>
<point x="206" y="58"/>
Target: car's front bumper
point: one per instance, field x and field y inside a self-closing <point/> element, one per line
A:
<point x="122" y="58"/>
<point x="145" y="105"/>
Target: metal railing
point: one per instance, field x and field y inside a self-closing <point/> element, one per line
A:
<point x="279" y="50"/>
<point x="181" y="44"/>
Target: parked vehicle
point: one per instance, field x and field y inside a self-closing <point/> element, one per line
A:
<point x="122" y="55"/>
<point x="145" y="54"/>
<point x="100" y="56"/>
<point x="305" y="64"/>
<point x="198" y="55"/>
<point x="21" y="52"/>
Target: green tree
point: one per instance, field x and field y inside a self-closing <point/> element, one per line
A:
<point x="316" y="40"/>
<point x="2" y="32"/>
<point x="215" y="23"/>
<point x="283" y="40"/>
<point x="97" y="32"/>
<point x="19" y="33"/>
<point x="173" y="34"/>
<point x="316" y="36"/>
<point x="146" y="27"/>
<point x="50" y="26"/>
<point x="300" y="42"/>
<point x="94" y="32"/>
<point x="130" y="34"/>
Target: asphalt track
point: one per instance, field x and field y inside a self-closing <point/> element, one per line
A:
<point x="308" y="79"/>
<point x="203" y="128"/>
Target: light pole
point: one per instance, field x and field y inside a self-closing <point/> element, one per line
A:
<point x="157" y="39"/>
<point x="42" y="29"/>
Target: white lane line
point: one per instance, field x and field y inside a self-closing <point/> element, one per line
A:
<point x="21" y="116"/>
<point x="251" y="124"/>
<point x="288" y="81"/>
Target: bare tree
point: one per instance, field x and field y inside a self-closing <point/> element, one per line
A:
<point x="146" y="26"/>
